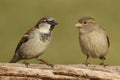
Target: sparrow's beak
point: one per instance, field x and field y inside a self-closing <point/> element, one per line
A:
<point x="78" y="25"/>
<point x="55" y="23"/>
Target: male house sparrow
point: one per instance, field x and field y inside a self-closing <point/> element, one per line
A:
<point x="93" y="39"/>
<point x="35" y="41"/>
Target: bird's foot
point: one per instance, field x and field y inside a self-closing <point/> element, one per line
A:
<point x="26" y="63"/>
<point x="104" y="64"/>
<point x="86" y="63"/>
<point x="45" y="62"/>
<point x="51" y="65"/>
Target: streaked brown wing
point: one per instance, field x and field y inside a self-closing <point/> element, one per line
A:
<point x="108" y="41"/>
<point x="24" y="38"/>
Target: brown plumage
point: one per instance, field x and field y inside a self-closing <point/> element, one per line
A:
<point x="35" y="41"/>
<point x="93" y="39"/>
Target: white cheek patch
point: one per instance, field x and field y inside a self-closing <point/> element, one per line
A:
<point x="44" y="28"/>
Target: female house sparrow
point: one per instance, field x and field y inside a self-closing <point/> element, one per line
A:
<point x="93" y="39"/>
<point x="35" y="41"/>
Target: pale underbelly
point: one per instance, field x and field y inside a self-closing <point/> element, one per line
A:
<point x="33" y="48"/>
<point x="95" y="46"/>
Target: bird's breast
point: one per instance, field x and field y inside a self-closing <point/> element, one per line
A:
<point x="45" y="37"/>
<point x="94" y="44"/>
<point x="36" y="45"/>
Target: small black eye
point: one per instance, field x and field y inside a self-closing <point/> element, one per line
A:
<point x="85" y="22"/>
<point x="44" y="20"/>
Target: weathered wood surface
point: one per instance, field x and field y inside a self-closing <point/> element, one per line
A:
<point x="59" y="72"/>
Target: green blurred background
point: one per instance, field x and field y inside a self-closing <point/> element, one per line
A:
<point x="17" y="16"/>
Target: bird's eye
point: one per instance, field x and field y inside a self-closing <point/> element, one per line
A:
<point x="44" y="20"/>
<point x="85" y="22"/>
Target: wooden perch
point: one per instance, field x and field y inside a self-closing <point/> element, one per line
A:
<point x="59" y="72"/>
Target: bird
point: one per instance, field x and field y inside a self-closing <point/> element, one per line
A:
<point x="93" y="39"/>
<point x="35" y="41"/>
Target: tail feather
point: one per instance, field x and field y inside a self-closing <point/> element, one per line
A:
<point x="15" y="59"/>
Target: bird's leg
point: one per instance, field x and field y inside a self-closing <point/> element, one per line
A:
<point x="45" y="62"/>
<point x="26" y="63"/>
<point x="103" y="62"/>
<point x="86" y="61"/>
